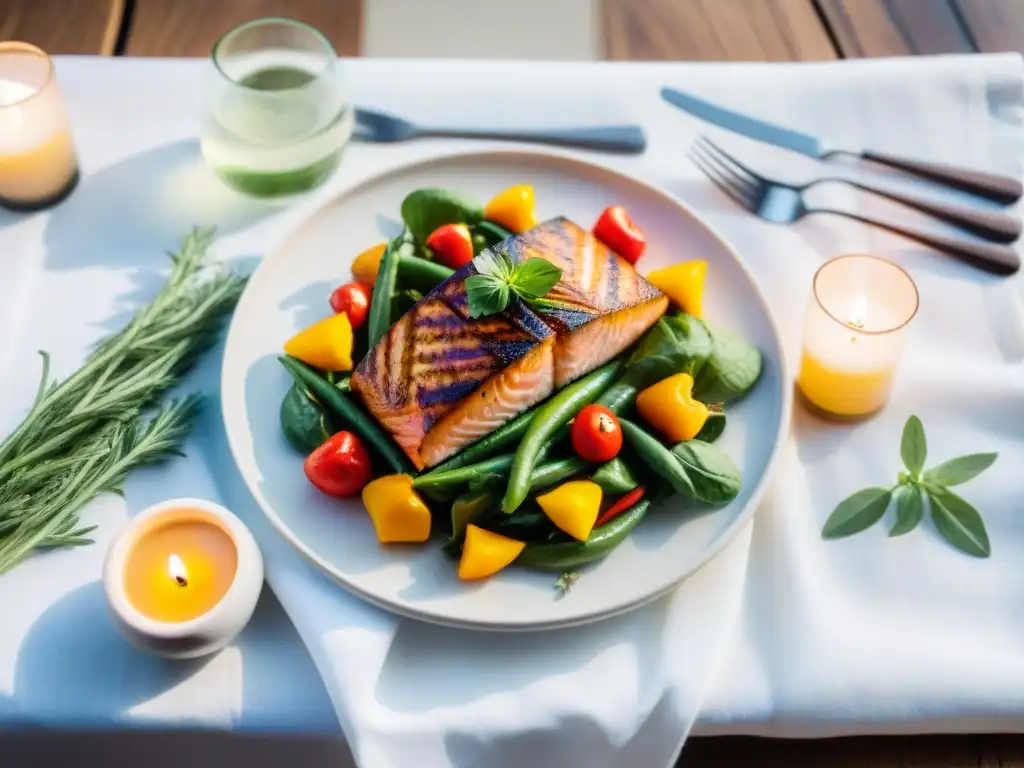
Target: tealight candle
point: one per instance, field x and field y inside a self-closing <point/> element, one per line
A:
<point x="853" y="335"/>
<point x="183" y="579"/>
<point x="38" y="165"/>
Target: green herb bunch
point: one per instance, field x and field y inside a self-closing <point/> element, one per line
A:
<point x="83" y="435"/>
<point x="498" y="283"/>
<point x="958" y="522"/>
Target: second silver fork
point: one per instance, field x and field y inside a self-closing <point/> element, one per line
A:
<point x="782" y="202"/>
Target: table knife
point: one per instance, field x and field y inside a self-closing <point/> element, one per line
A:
<point x="1001" y="189"/>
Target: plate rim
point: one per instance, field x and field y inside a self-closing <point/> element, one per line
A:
<point x="728" y="535"/>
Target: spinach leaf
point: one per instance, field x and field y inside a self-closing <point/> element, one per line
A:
<point x="714" y="426"/>
<point x="678" y="344"/>
<point x="424" y="210"/>
<point x="615" y="477"/>
<point x="731" y="370"/>
<point x="305" y="423"/>
<point x="714" y="477"/>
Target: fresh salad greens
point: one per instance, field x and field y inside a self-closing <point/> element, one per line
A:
<point x="566" y="481"/>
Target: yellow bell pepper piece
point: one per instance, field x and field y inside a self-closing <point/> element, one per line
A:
<point x="573" y="507"/>
<point x="513" y="209"/>
<point x="669" y="407"/>
<point x="366" y="264"/>
<point x="326" y="345"/>
<point x="683" y="284"/>
<point x="397" y="511"/>
<point x="484" y="553"/>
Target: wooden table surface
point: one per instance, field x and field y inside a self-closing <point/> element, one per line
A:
<point x="669" y="30"/>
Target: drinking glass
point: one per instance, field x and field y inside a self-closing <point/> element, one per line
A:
<point x="277" y="113"/>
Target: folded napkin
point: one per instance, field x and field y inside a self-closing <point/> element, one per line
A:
<point x="782" y="633"/>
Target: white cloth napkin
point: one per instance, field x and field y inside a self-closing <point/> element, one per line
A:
<point x="806" y="637"/>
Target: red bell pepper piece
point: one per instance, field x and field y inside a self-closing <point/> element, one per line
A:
<point x="621" y="505"/>
<point x="615" y="229"/>
<point x="452" y="245"/>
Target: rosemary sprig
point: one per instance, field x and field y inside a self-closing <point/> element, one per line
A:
<point x="83" y="435"/>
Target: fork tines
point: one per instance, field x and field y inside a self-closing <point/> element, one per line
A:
<point x="728" y="174"/>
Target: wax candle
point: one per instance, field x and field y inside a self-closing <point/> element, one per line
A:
<point x="854" y="330"/>
<point x="38" y="165"/>
<point x="183" y="579"/>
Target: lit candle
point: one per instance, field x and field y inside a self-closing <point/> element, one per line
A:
<point x="38" y="165"/>
<point x="183" y="579"/>
<point x="853" y="335"/>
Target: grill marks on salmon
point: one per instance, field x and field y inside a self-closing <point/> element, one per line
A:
<point x="602" y="304"/>
<point x="503" y="397"/>
<point x="435" y="357"/>
<point x="440" y="380"/>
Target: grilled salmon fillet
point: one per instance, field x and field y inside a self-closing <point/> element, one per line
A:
<point x="439" y="370"/>
<point x="599" y="307"/>
<point x="441" y="380"/>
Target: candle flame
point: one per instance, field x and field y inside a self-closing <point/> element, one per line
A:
<point x="177" y="570"/>
<point x="860" y="308"/>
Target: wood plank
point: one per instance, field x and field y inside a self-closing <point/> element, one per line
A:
<point x="714" y="30"/>
<point x="864" y="28"/>
<point x="995" y="25"/>
<point x="61" y="27"/>
<point x="191" y="27"/>
<point x="854" y="752"/>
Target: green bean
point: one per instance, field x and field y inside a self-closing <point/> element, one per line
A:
<point x="548" y="474"/>
<point x="658" y="458"/>
<point x="462" y="475"/>
<point x="494" y="233"/>
<point x="362" y="424"/>
<point x="553" y="414"/>
<point x="621" y="394"/>
<point x="563" y="556"/>
<point x="379" y="320"/>
<point x="506" y="434"/>
<point x="421" y="274"/>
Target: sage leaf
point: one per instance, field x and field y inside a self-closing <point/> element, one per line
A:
<point x="959" y="470"/>
<point x="731" y="370"/>
<point x="857" y="513"/>
<point x="959" y="523"/>
<point x="714" y="477"/>
<point x="913" y="448"/>
<point x="909" y="509"/>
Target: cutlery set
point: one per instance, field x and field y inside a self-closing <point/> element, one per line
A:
<point x="772" y="199"/>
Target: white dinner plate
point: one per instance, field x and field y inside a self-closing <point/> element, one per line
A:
<point x="289" y="291"/>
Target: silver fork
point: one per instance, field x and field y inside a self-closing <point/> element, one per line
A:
<point x="783" y="203"/>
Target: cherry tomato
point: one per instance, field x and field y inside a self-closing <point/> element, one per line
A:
<point x="339" y="467"/>
<point x="354" y="300"/>
<point x="596" y="434"/>
<point x="615" y="229"/>
<point x="452" y="245"/>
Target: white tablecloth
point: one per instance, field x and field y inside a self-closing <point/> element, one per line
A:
<point x="801" y="638"/>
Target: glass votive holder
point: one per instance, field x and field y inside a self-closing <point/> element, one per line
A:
<point x="854" y="328"/>
<point x="277" y="113"/>
<point x="38" y="164"/>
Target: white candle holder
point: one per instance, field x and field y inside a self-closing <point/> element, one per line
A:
<point x="208" y="632"/>
<point x="38" y="163"/>
<point x="854" y="331"/>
